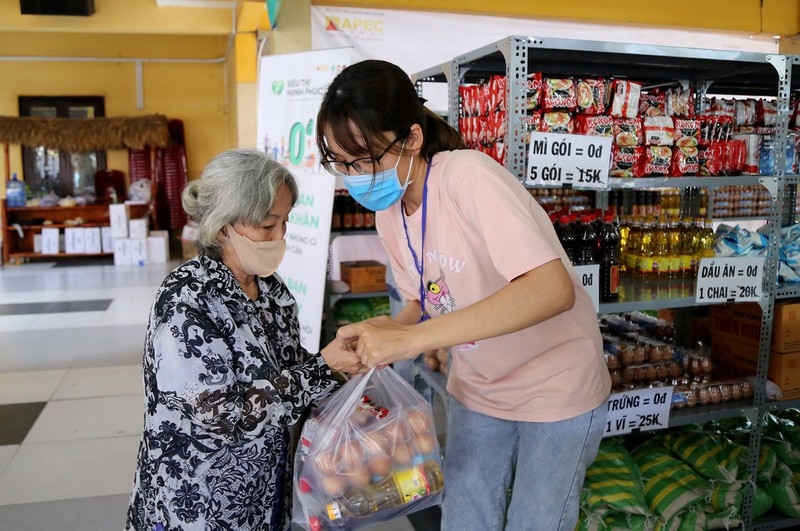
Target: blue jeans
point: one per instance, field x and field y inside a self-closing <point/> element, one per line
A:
<point x="547" y="461"/>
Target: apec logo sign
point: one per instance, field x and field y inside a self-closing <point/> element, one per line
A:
<point x="354" y="25"/>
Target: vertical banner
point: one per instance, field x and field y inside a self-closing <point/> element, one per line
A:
<point x="290" y="91"/>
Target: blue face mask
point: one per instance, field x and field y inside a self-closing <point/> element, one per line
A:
<point x="379" y="191"/>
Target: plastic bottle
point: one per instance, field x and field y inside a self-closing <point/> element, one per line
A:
<point x="609" y="261"/>
<point x="587" y="242"/>
<point x="661" y="256"/>
<point x="674" y="232"/>
<point x="566" y="236"/>
<point x="632" y="249"/>
<point x="15" y="192"/>
<point x="707" y="240"/>
<point x="697" y="244"/>
<point x="687" y="250"/>
<point x="336" y="216"/>
<point x="398" y="489"/>
<point x="644" y="269"/>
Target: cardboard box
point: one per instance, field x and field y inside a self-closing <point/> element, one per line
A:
<point x="364" y="275"/>
<point x="138" y="228"/>
<point x="122" y="251"/>
<point x="50" y="241"/>
<point x="742" y="322"/>
<point x="119" y="215"/>
<point x="784" y="370"/>
<point x="139" y="255"/>
<point x="733" y="357"/>
<point x="91" y="239"/>
<point x="74" y="240"/>
<point x="106" y="240"/>
<point x="786" y="327"/>
<point x="188" y="236"/>
<point x="158" y="246"/>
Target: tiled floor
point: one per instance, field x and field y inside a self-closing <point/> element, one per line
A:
<point x="71" y="395"/>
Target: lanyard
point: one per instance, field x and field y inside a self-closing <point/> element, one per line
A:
<point x="418" y="263"/>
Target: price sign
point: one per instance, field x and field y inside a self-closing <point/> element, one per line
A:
<point x="574" y="160"/>
<point x="638" y="410"/>
<point x="731" y="279"/>
<point x="590" y="278"/>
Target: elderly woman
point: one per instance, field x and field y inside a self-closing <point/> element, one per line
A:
<point x="225" y="376"/>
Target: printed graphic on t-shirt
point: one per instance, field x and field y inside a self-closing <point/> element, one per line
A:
<point x="438" y="293"/>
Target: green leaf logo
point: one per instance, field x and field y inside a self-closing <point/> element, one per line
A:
<point x="277" y="87"/>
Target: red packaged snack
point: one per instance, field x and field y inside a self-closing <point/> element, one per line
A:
<point x="591" y="96"/>
<point x="532" y="125"/>
<point x="685" y="161"/>
<point x="470" y="100"/>
<point x="714" y="128"/>
<point x="722" y="107"/>
<point x="594" y="125"/>
<point x="559" y="94"/>
<point x="711" y="159"/>
<point x="735" y="156"/>
<point x="626" y="161"/>
<point x="534" y="88"/>
<point x="556" y="122"/>
<point x="497" y="94"/>
<point x="628" y="132"/>
<point x="626" y="98"/>
<point x="680" y="102"/>
<point x="658" y="130"/>
<point x="745" y="113"/>
<point x="657" y="160"/>
<point x="767" y="111"/>
<point x="687" y="132"/>
<point x="653" y="104"/>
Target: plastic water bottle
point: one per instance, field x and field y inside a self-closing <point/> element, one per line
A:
<point x="15" y="192"/>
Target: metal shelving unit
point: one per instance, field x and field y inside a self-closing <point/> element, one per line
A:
<point x="707" y="72"/>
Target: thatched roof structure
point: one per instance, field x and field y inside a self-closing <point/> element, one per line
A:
<point x="80" y="135"/>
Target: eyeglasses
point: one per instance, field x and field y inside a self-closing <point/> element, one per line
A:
<point x="363" y="165"/>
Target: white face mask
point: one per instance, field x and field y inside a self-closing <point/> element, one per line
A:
<point x="256" y="258"/>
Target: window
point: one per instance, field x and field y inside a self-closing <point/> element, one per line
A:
<point x="52" y="170"/>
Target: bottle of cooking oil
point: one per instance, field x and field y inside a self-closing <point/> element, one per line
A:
<point x="697" y="244"/>
<point x="645" y="269"/>
<point x="707" y="240"/>
<point x="674" y="232"/>
<point x="661" y="257"/>
<point x="686" y="250"/>
<point x="632" y="251"/>
<point x="624" y="234"/>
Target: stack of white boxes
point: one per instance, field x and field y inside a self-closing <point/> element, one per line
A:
<point x="133" y="243"/>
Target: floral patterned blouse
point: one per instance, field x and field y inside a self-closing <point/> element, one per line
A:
<point x="224" y="379"/>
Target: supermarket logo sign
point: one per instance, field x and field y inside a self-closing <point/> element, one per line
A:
<point x="356" y="26"/>
<point x="277" y="87"/>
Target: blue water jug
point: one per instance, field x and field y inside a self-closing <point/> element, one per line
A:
<point x="15" y="192"/>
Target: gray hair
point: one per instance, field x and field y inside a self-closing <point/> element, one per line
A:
<point x="237" y="186"/>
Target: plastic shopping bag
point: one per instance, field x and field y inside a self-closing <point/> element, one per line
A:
<point x="369" y="453"/>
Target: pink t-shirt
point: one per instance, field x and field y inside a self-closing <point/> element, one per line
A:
<point x="483" y="229"/>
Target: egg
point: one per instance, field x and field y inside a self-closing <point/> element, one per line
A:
<point x="333" y="485"/>
<point x="424" y="443"/>
<point x="380" y="465"/>
<point x="325" y="461"/>
<point x="350" y="455"/>
<point x="419" y="421"/>
<point x="358" y="476"/>
<point x="401" y="453"/>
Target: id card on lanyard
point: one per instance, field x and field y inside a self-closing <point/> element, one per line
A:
<point x="418" y="260"/>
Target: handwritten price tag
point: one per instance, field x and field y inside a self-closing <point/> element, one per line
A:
<point x="590" y="278"/>
<point x="638" y="410"/>
<point x="572" y="160"/>
<point x="730" y="279"/>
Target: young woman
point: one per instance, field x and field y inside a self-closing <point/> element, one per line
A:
<point x="483" y="273"/>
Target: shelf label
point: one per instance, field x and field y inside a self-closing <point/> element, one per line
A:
<point x="589" y="276"/>
<point x="638" y="410"/>
<point x="572" y="160"/>
<point x="729" y="279"/>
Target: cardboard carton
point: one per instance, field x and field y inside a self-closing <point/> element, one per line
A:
<point x="364" y="275"/>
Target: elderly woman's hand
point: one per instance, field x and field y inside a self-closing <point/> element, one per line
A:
<point x="341" y="356"/>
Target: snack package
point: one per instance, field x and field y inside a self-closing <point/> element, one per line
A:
<point x="591" y="96"/>
<point x="369" y="453"/>
<point x="559" y="94"/>
<point x="534" y="91"/>
<point x="628" y="132"/>
<point x="658" y="130"/>
<point x="626" y="98"/>
<point x="556" y="122"/>
<point x="626" y="161"/>
<point x="594" y="125"/>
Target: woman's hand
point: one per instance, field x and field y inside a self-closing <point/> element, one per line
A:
<point x="380" y="341"/>
<point x="341" y="356"/>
